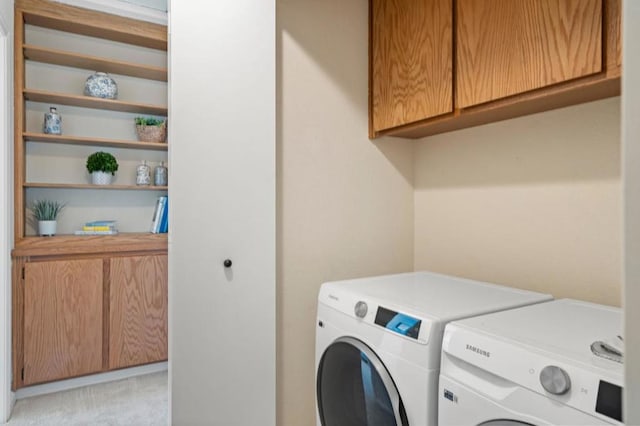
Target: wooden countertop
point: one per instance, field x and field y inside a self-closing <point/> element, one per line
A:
<point x="60" y="245"/>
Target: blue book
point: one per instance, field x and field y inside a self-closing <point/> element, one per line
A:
<point x="157" y="215"/>
<point x="164" y="223"/>
<point x="161" y="213"/>
<point x="101" y="223"/>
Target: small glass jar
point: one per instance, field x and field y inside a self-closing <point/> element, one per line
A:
<point x="160" y="175"/>
<point x="143" y="174"/>
<point x="52" y="122"/>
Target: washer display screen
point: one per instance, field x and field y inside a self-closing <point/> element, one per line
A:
<point x="398" y="322"/>
<point x="609" y="400"/>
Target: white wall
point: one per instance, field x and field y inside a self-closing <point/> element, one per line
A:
<point x="631" y="179"/>
<point x="533" y="202"/>
<point x="6" y="199"/>
<point x="345" y="203"/>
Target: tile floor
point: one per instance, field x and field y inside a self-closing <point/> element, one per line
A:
<point x="138" y="401"/>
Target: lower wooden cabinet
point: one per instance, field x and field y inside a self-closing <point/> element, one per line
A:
<point x="62" y="319"/>
<point x="74" y="317"/>
<point x="138" y="310"/>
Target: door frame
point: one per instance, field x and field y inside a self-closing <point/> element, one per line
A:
<point x="6" y="217"/>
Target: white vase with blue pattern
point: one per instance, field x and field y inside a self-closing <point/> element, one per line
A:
<point x="52" y="122"/>
<point x="100" y="85"/>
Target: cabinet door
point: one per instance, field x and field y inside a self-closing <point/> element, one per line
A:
<point x="411" y="61"/>
<point x="137" y="311"/>
<point x="223" y="206"/>
<point x="506" y="47"/>
<point x="62" y="319"/>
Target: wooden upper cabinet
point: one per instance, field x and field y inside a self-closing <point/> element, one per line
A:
<point x="411" y="61"/>
<point x="507" y="47"/>
<point x="62" y="319"/>
<point x="138" y="310"/>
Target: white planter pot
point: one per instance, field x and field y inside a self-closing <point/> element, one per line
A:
<point x="47" y="228"/>
<point x="101" y="178"/>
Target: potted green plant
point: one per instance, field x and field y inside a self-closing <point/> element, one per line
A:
<point x="102" y="166"/>
<point x="151" y="129"/>
<point x="46" y="212"/>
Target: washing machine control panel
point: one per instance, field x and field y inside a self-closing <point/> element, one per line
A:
<point x="398" y="322"/>
<point x="555" y="380"/>
<point x="360" y="309"/>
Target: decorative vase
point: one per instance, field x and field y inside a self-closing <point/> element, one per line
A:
<point x="101" y="178"/>
<point x="52" y="122"/>
<point x="143" y="174"/>
<point x="152" y="133"/>
<point x="160" y="175"/>
<point x="47" y="228"/>
<point x="100" y="85"/>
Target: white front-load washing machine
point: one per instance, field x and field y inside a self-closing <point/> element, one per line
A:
<point x="556" y="363"/>
<point x="378" y="343"/>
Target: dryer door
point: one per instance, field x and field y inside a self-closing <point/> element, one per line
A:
<point x="355" y="389"/>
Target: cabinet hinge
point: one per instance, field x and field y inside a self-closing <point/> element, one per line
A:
<point x="22" y="374"/>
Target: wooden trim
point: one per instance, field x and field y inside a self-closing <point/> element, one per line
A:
<point x="372" y="132"/>
<point x="19" y="126"/>
<point x="60" y="245"/>
<point x="76" y="60"/>
<point x="78" y="256"/>
<point x="90" y="186"/>
<point x="612" y="40"/>
<point x="574" y="92"/>
<point x="76" y="20"/>
<point x="93" y="141"/>
<point x="106" y="303"/>
<point x="17" y="319"/>
<point x="95" y="103"/>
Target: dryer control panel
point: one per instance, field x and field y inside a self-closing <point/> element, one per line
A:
<point x="398" y="322"/>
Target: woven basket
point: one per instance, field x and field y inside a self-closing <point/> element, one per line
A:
<point x="152" y="133"/>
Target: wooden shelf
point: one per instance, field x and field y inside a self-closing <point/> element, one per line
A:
<point x="60" y="57"/>
<point x="89" y="244"/>
<point x="90" y="186"/>
<point x="93" y="24"/>
<point x="89" y="102"/>
<point x="91" y="141"/>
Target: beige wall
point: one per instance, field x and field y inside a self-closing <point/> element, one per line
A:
<point x="532" y="202"/>
<point x="345" y="204"/>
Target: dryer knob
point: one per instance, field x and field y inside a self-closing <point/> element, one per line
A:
<point x="360" y="309"/>
<point x="555" y="380"/>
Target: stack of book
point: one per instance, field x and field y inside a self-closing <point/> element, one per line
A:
<point x="99" y="227"/>
<point x="160" y="220"/>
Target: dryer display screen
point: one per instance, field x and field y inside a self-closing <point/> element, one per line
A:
<point x="397" y="322"/>
<point x="609" y="400"/>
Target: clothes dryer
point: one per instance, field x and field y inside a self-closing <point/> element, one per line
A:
<point x="378" y="343"/>
<point x="556" y="363"/>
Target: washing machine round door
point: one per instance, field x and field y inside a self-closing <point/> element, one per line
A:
<point x="355" y="389"/>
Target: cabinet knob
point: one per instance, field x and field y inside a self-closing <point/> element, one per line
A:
<point x="227" y="263"/>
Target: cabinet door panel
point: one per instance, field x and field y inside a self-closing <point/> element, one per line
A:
<point x="62" y="319"/>
<point x="138" y="310"/>
<point x="411" y="67"/>
<point x="506" y="47"/>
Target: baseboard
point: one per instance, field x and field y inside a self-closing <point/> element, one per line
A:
<point x="93" y="379"/>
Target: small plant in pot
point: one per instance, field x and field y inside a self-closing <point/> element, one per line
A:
<point x="102" y="166"/>
<point x="150" y="129"/>
<point x="46" y="212"/>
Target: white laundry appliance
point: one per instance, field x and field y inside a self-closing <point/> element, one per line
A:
<point x="378" y="343"/>
<point x="556" y="363"/>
